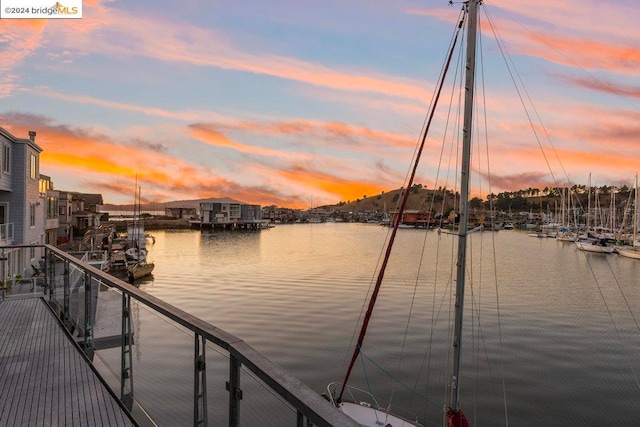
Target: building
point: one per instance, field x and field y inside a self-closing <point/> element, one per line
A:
<point x="181" y="213"/>
<point x="22" y="204"/>
<point x="229" y="213"/>
<point x="78" y="213"/>
<point x="50" y="198"/>
<point x="414" y="217"/>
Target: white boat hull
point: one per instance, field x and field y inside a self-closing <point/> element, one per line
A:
<point x="590" y="247"/>
<point x="629" y="252"/>
<point x="367" y="416"/>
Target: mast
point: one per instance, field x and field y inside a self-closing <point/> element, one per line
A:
<point x="635" y="214"/>
<point x="472" y="25"/>
<point x="398" y="218"/>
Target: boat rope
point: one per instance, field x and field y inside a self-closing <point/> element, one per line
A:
<point x="604" y="301"/>
<point x="513" y="71"/>
<point x="493" y="241"/>
<point x="366" y="379"/>
<point x="399" y="381"/>
<point x="435" y="315"/>
<point x="398" y="220"/>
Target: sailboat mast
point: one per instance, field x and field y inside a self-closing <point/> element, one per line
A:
<point x="635" y="214"/>
<point x="472" y="25"/>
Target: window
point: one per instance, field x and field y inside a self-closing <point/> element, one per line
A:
<point x="33" y="166"/>
<point x="52" y="207"/>
<point x="32" y="215"/>
<point x="62" y="210"/>
<point x="6" y="159"/>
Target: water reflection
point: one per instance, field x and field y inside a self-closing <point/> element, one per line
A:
<point x="296" y="292"/>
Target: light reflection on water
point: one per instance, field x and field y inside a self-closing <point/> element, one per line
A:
<point x="295" y="292"/>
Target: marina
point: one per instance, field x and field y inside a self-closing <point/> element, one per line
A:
<point x="563" y="356"/>
<point x="566" y="347"/>
<point x="284" y="267"/>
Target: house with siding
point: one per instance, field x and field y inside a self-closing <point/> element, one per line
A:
<point x="78" y="212"/>
<point x="50" y="198"/>
<point x="22" y="207"/>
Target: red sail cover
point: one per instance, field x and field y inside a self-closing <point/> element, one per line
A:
<point x="456" y="419"/>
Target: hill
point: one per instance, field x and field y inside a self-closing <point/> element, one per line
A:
<point x="420" y="198"/>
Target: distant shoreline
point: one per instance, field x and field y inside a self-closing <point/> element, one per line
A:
<point x="154" y="224"/>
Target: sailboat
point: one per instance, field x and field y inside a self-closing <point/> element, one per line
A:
<point x="370" y="413"/>
<point x="137" y="265"/>
<point x="592" y="243"/>
<point x="632" y="251"/>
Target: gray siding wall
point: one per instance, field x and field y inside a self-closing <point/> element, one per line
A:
<point x="5" y="178"/>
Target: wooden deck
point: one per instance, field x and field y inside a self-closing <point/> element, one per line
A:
<point x="44" y="379"/>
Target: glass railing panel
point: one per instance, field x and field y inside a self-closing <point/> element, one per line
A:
<point x="20" y="271"/>
<point x="261" y="406"/>
<point x="162" y="360"/>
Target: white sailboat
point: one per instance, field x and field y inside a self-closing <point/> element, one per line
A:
<point x="592" y="243"/>
<point x="137" y="264"/>
<point x="371" y="413"/>
<point x="632" y="251"/>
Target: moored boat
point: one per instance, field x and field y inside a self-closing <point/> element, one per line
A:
<point x="139" y="269"/>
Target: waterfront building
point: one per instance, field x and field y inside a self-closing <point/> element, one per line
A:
<point x="79" y="213"/>
<point x="181" y="213"/>
<point x="229" y="213"/>
<point x="22" y="211"/>
<point x="413" y="217"/>
<point x="50" y="198"/>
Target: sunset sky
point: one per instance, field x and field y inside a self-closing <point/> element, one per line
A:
<point x="301" y="103"/>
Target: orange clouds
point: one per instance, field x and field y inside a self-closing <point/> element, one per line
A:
<point x="215" y="138"/>
<point x="303" y="170"/>
<point x="344" y="188"/>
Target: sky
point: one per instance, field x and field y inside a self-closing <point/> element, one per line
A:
<point x="304" y="103"/>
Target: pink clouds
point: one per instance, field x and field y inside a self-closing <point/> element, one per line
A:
<point x="184" y="43"/>
<point x="19" y="39"/>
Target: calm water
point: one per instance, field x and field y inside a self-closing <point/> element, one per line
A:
<point x="563" y="353"/>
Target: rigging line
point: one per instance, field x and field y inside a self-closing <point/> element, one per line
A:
<point x="432" y="104"/>
<point x="454" y="154"/>
<point x="373" y="399"/>
<point x="624" y="297"/>
<point x="381" y="256"/>
<point x="505" y="55"/>
<point x="501" y="44"/>
<point x="398" y="218"/>
<point x="568" y="59"/>
<point x="604" y="301"/>
<point x="438" y="405"/>
<point x="493" y="239"/>
<point x="402" y="193"/>
<point x="434" y="318"/>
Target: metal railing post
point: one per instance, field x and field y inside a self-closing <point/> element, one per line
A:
<point x="50" y="272"/>
<point x="88" y="345"/>
<point x="66" y="294"/>
<point x="235" y="393"/>
<point x="45" y="279"/>
<point x="200" y="382"/>
<point x="126" y="354"/>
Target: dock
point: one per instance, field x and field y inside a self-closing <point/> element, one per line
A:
<point x="45" y="379"/>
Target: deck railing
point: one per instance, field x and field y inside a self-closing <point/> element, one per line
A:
<point x="6" y="233"/>
<point x="187" y="371"/>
